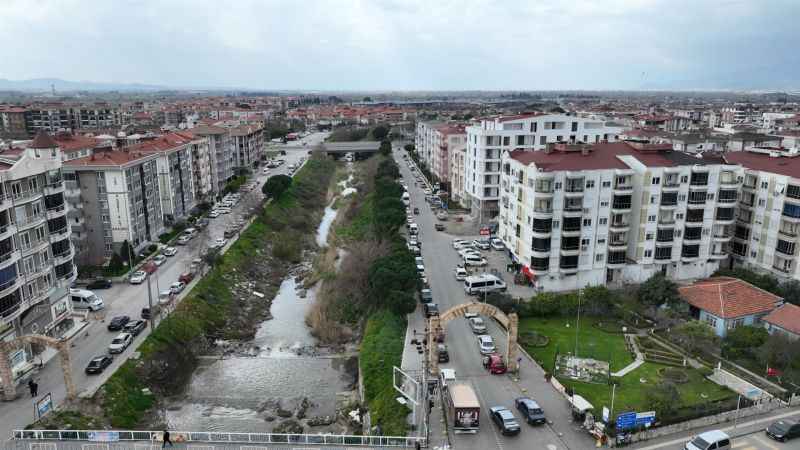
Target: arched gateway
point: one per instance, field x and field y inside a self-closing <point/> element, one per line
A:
<point x="9" y="390"/>
<point x="509" y="322"/>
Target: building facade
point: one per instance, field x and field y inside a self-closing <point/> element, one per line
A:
<point x="248" y="144"/>
<point x="36" y="256"/>
<point x="489" y="138"/>
<point x="221" y="155"/>
<point x="612" y="213"/>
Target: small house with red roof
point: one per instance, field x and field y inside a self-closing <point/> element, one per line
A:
<point x="784" y="320"/>
<point x="725" y="303"/>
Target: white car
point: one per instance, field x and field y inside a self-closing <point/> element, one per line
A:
<point x="497" y="244"/>
<point x="265" y="170"/>
<point x="138" y="277"/>
<point x="461" y="273"/>
<point x="475" y="260"/>
<point x="165" y="297"/>
<point x="170" y="251"/>
<point x="482" y="244"/>
<point x="177" y="287"/>
<point x="159" y="259"/>
<point x="459" y="243"/>
<point x="213" y="214"/>
<point x="469" y="252"/>
<point x="486" y="344"/>
<point x="219" y="243"/>
<point x="183" y="240"/>
<point x="120" y="343"/>
<point x="224" y="210"/>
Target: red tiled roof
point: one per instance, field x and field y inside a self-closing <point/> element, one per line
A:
<point x="43" y="140"/>
<point x="71" y="142"/>
<point x="729" y="298"/>
<point x="787" y="317"/>
<point x="782" y="165"/>
<point x="600" y="156"/>
<point x="107" y="158"/>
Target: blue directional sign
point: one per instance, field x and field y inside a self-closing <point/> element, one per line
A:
<point x="626" y="420"/>
<point x="645" y="419"/>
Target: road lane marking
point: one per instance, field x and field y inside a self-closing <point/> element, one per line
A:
<point x="486" y="410"/>
<point x="765" y="442"/>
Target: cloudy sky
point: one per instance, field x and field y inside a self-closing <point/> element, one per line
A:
<point x="406" y="44"/>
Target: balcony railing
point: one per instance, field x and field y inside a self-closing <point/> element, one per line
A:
<point x="22" y="195"/>
<point x="30" y="219"/>
<point x="623" y="187"/>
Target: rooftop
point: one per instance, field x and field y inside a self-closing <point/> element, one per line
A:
<point x="782" y="165"/>
<point x="729" y="298"/>
<point x="786" y="316"/>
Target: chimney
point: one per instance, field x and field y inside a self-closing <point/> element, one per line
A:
<point x="548" y="148"/>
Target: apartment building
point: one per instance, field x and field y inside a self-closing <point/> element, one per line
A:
<point x="175" y="173"/>
<point x="12" y="122"/>
<point x="114" y="196"/>
<point x="768" y="220"/>
<point x="36" y="257"/>
<point x="248" y="144"/>
<point x="488" y="138"/>
<point x="424" y="140"/>
<point x="609" y="213"/>
<point x="457" y="170"/>
<point x="201" y="165"/>
<point x="75" y="146"/>
<point x="220" y="155"/>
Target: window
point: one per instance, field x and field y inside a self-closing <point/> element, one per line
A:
<point x="679" y="216"/>
<point x="649" y="236"/>
<point x="762" y="202"/>
<point x="682" y="198"/>
<point x="584" y="241"/>
<point x="604" y="204"/>
<point x="651" y="218"/>
<point x="601" y="241"/>
<point x="764" y="185"/>
<point x="520" y="140"/>
<point x="603" y="221"/>
<point x="606" y="184"/>
<point x="653" y="199"/>
<point x="587" y="222"/>
<point x="684" y="179"/>
<point x="711" y="320"/>
<point x="656" y="180"/>
<point x="533" y="127"/>
<point x="543" y="140"/>
<point x="558" y="186"/>
<point x="753" y="254"/>
<point x="506" y="140"/>
<point x="555" y="224"/>
<point x="648" y="253"/>
<point x="589" y="184"/>
<point x="710" y="196"/>
<point x="599" y="258"/>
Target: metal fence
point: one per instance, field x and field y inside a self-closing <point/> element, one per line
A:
<point x="143" y="440"/>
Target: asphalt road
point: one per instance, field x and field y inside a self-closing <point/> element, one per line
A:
<point x="493" y="390"/>
<point x="126" y="299"/>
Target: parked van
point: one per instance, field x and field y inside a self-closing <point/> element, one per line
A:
<point x="478" y="284"/>
<point x="83" y="299"/>
<point x="447" y="377"/>
<point x="413" y="229"/>
<point x="714" y="439"/>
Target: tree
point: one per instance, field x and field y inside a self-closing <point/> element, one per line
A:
<point x="126" y="252"/>
<point x="367" y="99"/>
<point x="790" y="291"/>
<point x="276" y="186"/>
<point x="658" y="290"/>
<point x="503" y="302"/>
<point x="389" y="215"/>
<point x="780" y="352"/>
<point x="116" y="264"/>
<point x="388" y="168"/>
<point x="596" y="300"/>
<point x="409" y="147"/>
<point x="663" y="398"/>
<point x="385" y="148"/>
<point x="743" y="341"/>
<point x="696" y="335"/>
<point x="380" y="132"/>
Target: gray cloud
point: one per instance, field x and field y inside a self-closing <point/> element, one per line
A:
<point x="398" y="44"/>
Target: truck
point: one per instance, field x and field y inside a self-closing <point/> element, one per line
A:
<point x="463" y="408"/>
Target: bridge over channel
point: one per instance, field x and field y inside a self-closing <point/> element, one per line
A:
<point x="190" y="440"/>
<point x="356" y="147"/>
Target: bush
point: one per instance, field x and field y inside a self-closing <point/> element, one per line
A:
<point x="658" y="290"/>
<point x="276" y="186"/>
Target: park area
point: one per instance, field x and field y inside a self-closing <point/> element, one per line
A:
<point x="651" y="386"/>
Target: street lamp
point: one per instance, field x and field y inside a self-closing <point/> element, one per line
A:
<point x="578" y="324"/>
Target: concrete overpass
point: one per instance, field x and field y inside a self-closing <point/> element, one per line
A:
<point x="360" y="149"/>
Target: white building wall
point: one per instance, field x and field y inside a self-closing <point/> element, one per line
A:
<point x="118" y="205"/>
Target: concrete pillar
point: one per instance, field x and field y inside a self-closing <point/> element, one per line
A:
<point x="66" y="369"/>
<point x="9" y="389"/>
<point x="433" y="360"/>
<point x="511" y="348"/>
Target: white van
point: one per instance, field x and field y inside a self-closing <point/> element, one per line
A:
<point x="447" y="377"/>
<point x="714" y="439"/>
<point x="413" y="229"/>
<point x="478" y="284"/>
<point x="83" y="299"/>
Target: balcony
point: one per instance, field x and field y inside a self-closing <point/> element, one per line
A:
<point x="64" y="256"/>
<point x="616" y="260"/>
<point x="573" y="210"/>
<point x="7" y="231"/>
<point x="788" y="233"/>
<point x="542" y="213"/>
<point x="540" y="266"/>
<point x="54" y="187"/>
<point x="31" y="221"/>
<point x="666" y="222"/>
<point x="619" y="226"/>
<point x="26" y="196"/>
<point x="781" y="266"/>
<point x="10" y="286"/>
<point x="728" y="181"/>
<point x="723" y="237"/>
<point x="57" y="211"/>
<point x="575" y="190"/>
<point x="663" y="257"/>
<point x="690" y="253"/>
<point x="33" y="247"/>
<point x="617" y="245"/>
<point x="620" y="207"/>
<point x="670" y="185"/>
<point x="5" y="202"/>
<point x="623" y="188"/>
<point x="791" y="213"/>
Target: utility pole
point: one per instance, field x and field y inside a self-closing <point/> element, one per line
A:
<point x="578" y="323"/>
<point x="150" y="304"/>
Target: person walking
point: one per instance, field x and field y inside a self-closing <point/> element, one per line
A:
<point x="35" y="391"/>
<point x="31" y="388"/>
<point x="166" y="440"/>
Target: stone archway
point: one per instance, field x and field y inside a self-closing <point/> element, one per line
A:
<point x="9" y="390"/>
<point x="510" y="322"/>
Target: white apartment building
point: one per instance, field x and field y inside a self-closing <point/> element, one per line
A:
<point x="488" y="138"/>
<point x="768" y="220"/>
<point x="221" y="155"/>
<point x="36" y="256"/>
<point x="457" y="171"/>
<point x="425" y="141"/>
<point x="248" y="145"/>
<point x="201" y="165"/>
<point x="611" y="213"/>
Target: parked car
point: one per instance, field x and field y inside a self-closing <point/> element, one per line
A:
<point x="159" y="260"/>
<point x="414" y="250"/>
<point x="183" y="240"/>
<point x="505" y="420"/>
<point x="416" y="211"/>
<point x="186" y="277"/>
<point x="148" y="313"/>
<point x="177" y="287"/>
<point x="530" y="410"/>
<point x="120" y="343"/>
<point x="439" y="227"/>
<point x="118" y="323"/>
<point x="477" y="325"/>
<point x="474" y="260"/>
<point x="710" y="440"/>
<point x="170" y="251"/>
<point x="783" y="430"/>
<point x="165" y="297"/>
<point x="482" y="244"/>
<point x="98" y="364"/>
<point x="458" y="243"/>
<point x="219" y="243"/>
<point x="101" y="283"/>
<point x="442" y="354"/>
<point x="138" y="277"/>
<point x="469" y="252"/>
<point x="494" y="364"/>
<point x="431" y="309"/>
<point x="486" y="344"/>
<point x="461" y="273"/>
<point x="214" y="214"/>
<point x="426" y="296"/>
<point x="134" y="327"/>
<point x="497" y="244"/>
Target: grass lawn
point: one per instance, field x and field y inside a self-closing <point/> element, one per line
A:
<point x="592" y="341"/>
<point x="630" y="392"/>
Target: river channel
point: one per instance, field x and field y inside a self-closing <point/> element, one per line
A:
<point x="241" y="393"/>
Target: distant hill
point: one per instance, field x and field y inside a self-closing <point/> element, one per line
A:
<point x="45" y="84"/>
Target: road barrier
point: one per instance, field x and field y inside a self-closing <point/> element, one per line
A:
<point x="107" y="439"/>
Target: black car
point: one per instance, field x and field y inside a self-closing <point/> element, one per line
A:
<point x="439" y="227"/>
<point x="99" y="284"/>
<point x="426" y="296"/>
<point x="135" y="327"/>
<point x="98" y="364"/>
<point x="530" y="410"/>
<point x="505" y="420"/>
<point x="416" y="211"/>
<point x="783" y="430"/>
<point x="118" y="323"/>
<point x="431" y="309"/>
<point x="442" y="354"/>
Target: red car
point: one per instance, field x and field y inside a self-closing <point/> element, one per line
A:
<point x="186" y="277"/>
<point x="494" y="364"/>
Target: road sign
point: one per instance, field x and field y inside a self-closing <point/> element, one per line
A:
<point x="626" y="420"/>
<point x="645" y="419"/>
<point x="606" y="413"/>
<point x="44" y="406"/>
<point x="485" y="231"/>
